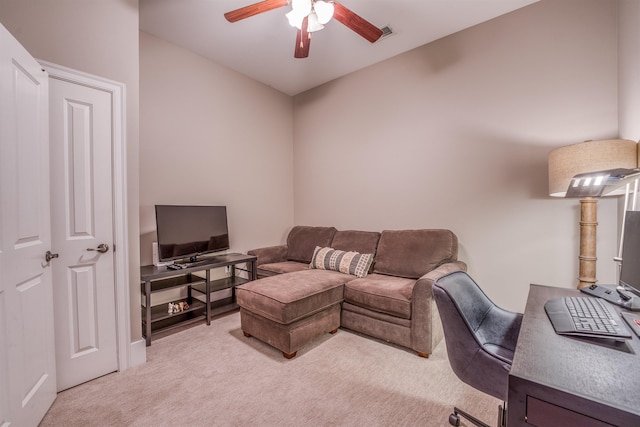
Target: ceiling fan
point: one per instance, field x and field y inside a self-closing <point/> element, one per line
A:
<point x="309" y="16"/>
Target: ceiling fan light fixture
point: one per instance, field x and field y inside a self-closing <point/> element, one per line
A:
<point x="314" y="23"/>
<point x="324" y="10"/>
<point x="309" y="16"/>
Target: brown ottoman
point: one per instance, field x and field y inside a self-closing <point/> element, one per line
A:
<point x="290" y="310"/>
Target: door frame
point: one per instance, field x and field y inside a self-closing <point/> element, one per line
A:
<point x="119" y="187"/>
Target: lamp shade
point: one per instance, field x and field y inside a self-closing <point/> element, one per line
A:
<point x="302" y="7"/>
<point x="314" y="25"/>
<point x="590" y="156"/>
<point x="295" y="19"/>
<point x="324" y="10"/>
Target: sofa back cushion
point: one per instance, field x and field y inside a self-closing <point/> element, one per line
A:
<point x="365" y="242"/>
<point x="413" y="253"/>
<point x="302" y="241"/>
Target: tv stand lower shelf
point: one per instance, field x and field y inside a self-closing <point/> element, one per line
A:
<point x="156" y="319"/>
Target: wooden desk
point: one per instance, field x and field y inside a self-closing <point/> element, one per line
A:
<point x="565" y="381"/>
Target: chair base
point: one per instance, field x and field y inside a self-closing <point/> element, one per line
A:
<point x="454" y="418"/>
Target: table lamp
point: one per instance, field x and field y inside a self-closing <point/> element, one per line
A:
<point x="590" y="170"/>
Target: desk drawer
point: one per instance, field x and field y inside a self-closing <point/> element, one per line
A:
<point x="544" y="414"/>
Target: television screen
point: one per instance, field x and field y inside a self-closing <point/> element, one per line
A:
<point x="187" y="231"/>
<point x="630" y="270"/>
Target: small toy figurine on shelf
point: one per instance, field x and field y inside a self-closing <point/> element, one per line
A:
<point x="177" y="307"/>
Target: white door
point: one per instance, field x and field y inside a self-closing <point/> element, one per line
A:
<point x="27" y="355"/>
<point x="80" y="122"/>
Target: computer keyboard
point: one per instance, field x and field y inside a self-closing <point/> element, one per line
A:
<point x="585" y="316"/>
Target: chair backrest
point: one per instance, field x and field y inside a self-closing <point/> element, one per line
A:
<point x="480" y="336"/>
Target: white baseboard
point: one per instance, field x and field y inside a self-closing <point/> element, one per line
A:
<point x="138" y="353"/>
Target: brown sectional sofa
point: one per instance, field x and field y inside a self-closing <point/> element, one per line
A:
<point x="292" y="304"/>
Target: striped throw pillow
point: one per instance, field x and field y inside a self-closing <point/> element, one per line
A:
<point x="353" y="263"/>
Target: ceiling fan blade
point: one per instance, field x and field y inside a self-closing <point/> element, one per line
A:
<point x="356" y="23"/>
<point x="303" y="41"/>
<point x="254" y="9"/>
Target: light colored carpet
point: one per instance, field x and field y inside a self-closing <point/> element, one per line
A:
<point x="214" y="376"/>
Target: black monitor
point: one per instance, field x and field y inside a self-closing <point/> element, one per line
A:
<point x="627" y="292"/>
<point x="185" y="232"/>
<point x="630" y="268"/>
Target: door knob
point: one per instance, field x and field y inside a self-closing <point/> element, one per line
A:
<point x="48" y="256"/>
<point x="102" y="248"/>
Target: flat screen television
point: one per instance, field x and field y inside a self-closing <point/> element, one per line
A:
<point x="186" y="232"/>
<point x="630" y="269"/>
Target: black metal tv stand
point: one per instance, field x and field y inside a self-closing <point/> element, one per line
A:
<point x="157" y="279"/>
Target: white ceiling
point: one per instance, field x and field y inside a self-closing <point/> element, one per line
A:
<point x="262" y="46"/>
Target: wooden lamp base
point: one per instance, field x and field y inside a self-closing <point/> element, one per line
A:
<point x="588" y="226"/>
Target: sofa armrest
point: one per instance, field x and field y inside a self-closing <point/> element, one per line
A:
<point x="269" y="254"/>
<point x="441" y="270"/>
<point x="426" y="326"/>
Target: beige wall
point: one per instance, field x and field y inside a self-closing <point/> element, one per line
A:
<point x="629" y="69"/>
<point x="210" y="136"/>
<point x="455" y="134"/>
<point x="101" y="38"/>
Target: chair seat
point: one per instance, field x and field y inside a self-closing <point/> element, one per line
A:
<point x="499" y="351"/>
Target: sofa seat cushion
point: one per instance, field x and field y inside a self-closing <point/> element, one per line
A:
<point x="384" y="294"/>
<point x="289" y="297"/>
<point x="364" y="313"/>
<point x="281" y="268"/>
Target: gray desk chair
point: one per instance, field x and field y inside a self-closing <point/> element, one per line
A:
<point x="480" y="337"/>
